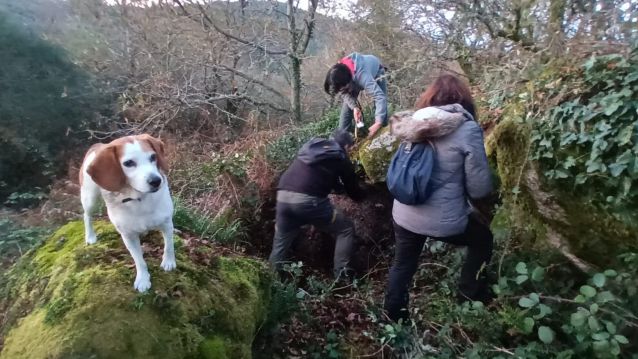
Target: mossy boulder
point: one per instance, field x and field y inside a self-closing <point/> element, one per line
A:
<point x="68" y="300"/>
<point x="545" y="217"/>
<point x="375" y="154"/>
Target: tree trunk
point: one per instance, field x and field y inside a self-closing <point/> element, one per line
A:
<point x="555" y="29"/>
<point x="295" y="64"/>
<point x="295" y="82"/>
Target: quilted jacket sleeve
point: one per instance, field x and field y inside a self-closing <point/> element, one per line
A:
<point x="478" y="177"/>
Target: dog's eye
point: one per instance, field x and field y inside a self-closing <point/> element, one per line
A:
<point x="129" y="163"/>
<point x="152" y="158"/>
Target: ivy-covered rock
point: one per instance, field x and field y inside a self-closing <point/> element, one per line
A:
<point x="552" y="193"/>
<point x="375" y="154"/>
<point x="68" y="300"/>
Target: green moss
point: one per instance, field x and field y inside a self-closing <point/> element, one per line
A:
<point x="68" y="300"/>
<point x="214" y="348"/>
<point x="375" y="154"/>
<point x="533" y="209"/>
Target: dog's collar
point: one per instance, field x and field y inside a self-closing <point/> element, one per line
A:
<point x="128" y="199"/>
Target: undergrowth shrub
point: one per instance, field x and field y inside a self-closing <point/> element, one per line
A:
<point x="220" y="227"/>
<point x="15" y="240"/>
<point x="282" y="151"/>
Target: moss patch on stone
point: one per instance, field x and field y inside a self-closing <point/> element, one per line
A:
<point x="375" y="154"/>
<point x="536" y="209"/>
<point x="68" y="300"/>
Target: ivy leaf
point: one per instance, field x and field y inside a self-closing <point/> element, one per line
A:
<point x="601" y="345"/>
<point x="580" y="299"/>
<point x="543" y="311"/>
<point x="521" y="268"/>
<point x="612" y="107"/>
<point x="624" y="137"/>
<point x="600" y="336"/>
<point x="610" y="273"/>
<point x="604" y="297"/>
<point x="528" y="325"/>
<point x="526" y="302"/>
<point x="617" y="168"/>
<point x="578" y="319"/>
<point x="621" y="339"/>
<point x="545" y="334"/>
<point x="581" y="178"/>
<point x="569" y="162"/>
<point x="599" y="280"/>
<point x="538" y="274"/>
<point x="558" y="174"/>
<point x="588" y="291"/>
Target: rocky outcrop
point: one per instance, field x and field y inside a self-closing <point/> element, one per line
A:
<point x="68" y="300"/>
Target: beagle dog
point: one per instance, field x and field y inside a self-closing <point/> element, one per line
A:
<point x="130" y="175"/>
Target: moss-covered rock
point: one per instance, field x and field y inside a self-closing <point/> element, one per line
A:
<point x="375" y="154"/>
<point x="68" y="300"/>
<point x="547" y="217"/>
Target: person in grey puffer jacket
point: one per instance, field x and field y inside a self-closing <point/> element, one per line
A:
<point x="351" y="75"/>
<point x="446" y="118"/>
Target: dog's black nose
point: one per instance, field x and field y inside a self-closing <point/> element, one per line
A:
<point x="155" y="181"/>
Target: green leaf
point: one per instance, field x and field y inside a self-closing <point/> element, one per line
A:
<point x="558" y="174"/>
<point x="521" y="268"/>
<point x="617" y="168"/>
<point x="578" y="319"/>
<point x="612" y="107"/>
<point x="521" y="279"/>
<point x="621" y="339"/>
<point x="600" y="336"/>
<point x="528" y="325"/>
<point x="580" y="299"/>
<point x="593" y="309"/>
<point x="535" y="297"/>
<point x="588" y="291"/>
<point x="593" y="324"/>
<point x="545" y="334"/>
<point x="538" y="274"/>
<point x="601" y="345"/>
<point x="610" y="273"/>
<point x="526" y="302"/>
<point x="543" y="311"/>
<point x="604" y="297"/>
<point x="599" y="280"/>
<point x="611" y="328"/>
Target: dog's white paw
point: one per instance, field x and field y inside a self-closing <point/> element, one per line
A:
<point x="90" y="239"/>
<point x="143" y="282"/>
<point x="168" y="264"/>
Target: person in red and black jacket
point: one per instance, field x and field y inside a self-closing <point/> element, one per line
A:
<point x="321" y="166"/>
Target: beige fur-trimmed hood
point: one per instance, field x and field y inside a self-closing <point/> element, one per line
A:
<point x="428" y="123"/>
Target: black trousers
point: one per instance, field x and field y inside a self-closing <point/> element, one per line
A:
<point x="472" y="285"/>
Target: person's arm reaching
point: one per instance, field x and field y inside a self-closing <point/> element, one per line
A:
<point x="349" y="179"/>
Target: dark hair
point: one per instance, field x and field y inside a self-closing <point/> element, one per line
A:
<point x="446" y="90"/>
<point x="337" y="78"/>
<point x="343" y="138"/>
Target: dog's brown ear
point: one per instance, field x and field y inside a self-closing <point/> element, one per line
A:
<point x="106" y="170"/>
<point x="158" y="147"/>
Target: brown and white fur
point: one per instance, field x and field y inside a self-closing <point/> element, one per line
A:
<point x="130" y="175"/>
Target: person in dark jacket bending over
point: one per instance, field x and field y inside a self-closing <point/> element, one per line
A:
<point x="348" y="77"/>
<point x="446" y="117"/>
<point x="302" y="198"/>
